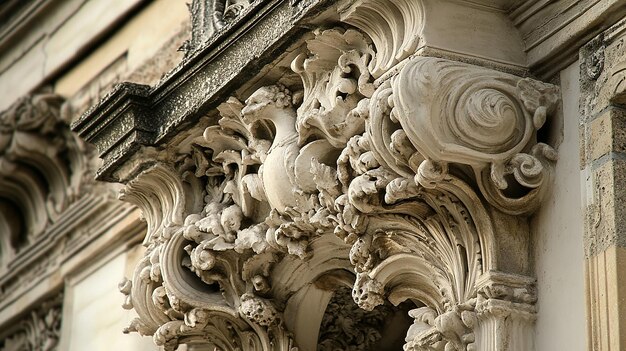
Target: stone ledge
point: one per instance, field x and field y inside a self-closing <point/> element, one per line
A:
<point x="554" y="31"/>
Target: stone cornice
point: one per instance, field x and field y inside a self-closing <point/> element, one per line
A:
<point x="204" y="79"/>
<point x="194" y="87"/>
<point x="554" y="31"/>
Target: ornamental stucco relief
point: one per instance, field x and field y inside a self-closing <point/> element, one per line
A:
<point x="39" y="330"/>
<point x="395" y="175"/>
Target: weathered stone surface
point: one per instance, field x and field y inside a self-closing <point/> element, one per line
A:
<point x="607" y="216"/>
<point x="607" y="134"/>
<point x="370" y="166"/>
<point x="201" y="84"/>
<point x="604" y="137"/>
<point x="307" y="152"/>
<point x="602" y="107"/>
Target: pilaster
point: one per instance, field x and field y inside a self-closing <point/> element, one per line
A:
<point x="603" y="128"/>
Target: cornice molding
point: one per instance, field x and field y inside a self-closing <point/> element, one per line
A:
<point x="555" y="30"/>
<point x="199" y="82"/>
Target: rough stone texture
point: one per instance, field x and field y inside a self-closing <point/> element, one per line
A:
<point x="607" y="216"/>
<point x="607" y="133"/>
<point x="200" y="85"/>
<point x="604" y="138"/>
<point x="602" y="108"/>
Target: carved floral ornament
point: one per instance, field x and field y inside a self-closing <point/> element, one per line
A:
<point x="385" y="181"/>
<point x="38" y="331"/>
<point x="43" y="169"/>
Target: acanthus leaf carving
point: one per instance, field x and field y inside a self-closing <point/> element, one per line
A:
<point x="405" y="172"/>
<point x="39" y="330"/>
<point x="335" y="77"/>
<point x="395" y="27"/>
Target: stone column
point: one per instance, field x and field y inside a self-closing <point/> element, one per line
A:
<point x="506" y="312"/>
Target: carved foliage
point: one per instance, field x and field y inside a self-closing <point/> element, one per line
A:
<point x="335" y="77"/>
<point x="347" y="327"/>
<point x="455" y="113"/>
<point x="222" y="242"/>
<point x="38" y="331"/>
<point x="395" y="27"/>
<point x="404" y="174"/>
<point x="43" y="168"/>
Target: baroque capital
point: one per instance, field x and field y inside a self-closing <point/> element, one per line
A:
<point x="366" y="178"/>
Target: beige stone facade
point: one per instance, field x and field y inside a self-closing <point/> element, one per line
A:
<point x="418" y="175"/>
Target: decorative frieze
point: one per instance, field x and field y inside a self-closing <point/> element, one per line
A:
<point x="38" y="330"/>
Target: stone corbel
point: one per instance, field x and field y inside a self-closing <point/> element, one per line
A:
<point x="399" y="176"/>
<point x="445" y="144"/>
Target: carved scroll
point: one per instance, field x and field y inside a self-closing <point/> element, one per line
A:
<point x="37" y="331"/>
<point x="43" y="168"/>
<point x="389" y="189"/>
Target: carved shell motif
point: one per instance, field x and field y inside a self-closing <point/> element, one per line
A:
<point x="458" y="113"/>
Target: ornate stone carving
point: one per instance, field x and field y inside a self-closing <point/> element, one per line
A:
<point x="455" y="113"/>
<point x="345" y="326"/>
<point x="399" y="193"/>
<point x="209" y="17"/>
<point x="38" y="331"/>
<point x="335" y="76"/>
<point x="395" y="27"/>
<point x="381" y="170"/>
<point x="43" y="168"/>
